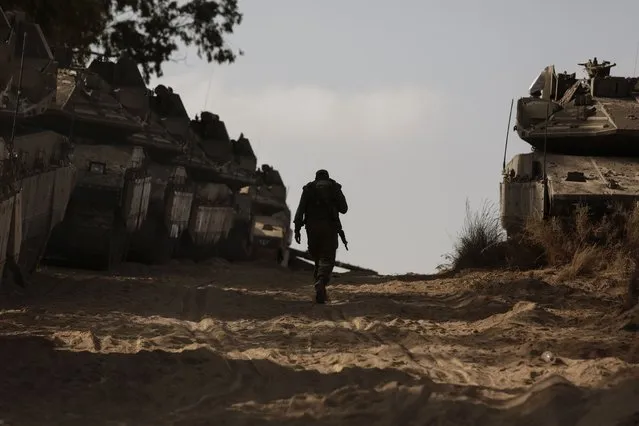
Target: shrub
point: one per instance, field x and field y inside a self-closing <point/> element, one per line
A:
<point x="479" y="242"/>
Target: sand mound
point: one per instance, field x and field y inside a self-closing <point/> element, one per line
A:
<point x="555" y="401"/>
<point x="521" y="314"/>
<point x="528" y="289"/>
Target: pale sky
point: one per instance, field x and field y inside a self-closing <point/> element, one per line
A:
<point x="405" y="103"/>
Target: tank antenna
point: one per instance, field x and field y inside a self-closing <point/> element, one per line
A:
<point x="546" y="138"/>
<point x="208" y="90"/>
<point x="512" y="101"/>
<point x="16" y="111"/>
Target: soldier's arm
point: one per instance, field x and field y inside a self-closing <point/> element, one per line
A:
<point x="301" y="209"/>
<point x="342" y="206"/>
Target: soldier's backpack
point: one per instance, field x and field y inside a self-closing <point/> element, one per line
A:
<point x="323" y="199"/>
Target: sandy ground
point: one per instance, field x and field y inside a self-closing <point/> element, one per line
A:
<point x="222" y="344"/>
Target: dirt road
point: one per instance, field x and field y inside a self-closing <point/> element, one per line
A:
<point x="227" y="345"/>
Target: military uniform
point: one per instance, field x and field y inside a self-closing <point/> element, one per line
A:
<point x="320" y="205"/>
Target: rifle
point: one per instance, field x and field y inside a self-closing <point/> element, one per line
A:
<point x="343" y="238"/>
<point x="341" y="233"/>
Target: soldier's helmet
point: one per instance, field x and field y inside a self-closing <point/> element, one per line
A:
<point x="321" y="174"/>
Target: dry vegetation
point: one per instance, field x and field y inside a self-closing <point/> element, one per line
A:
<point x="478" y="240"/>
<point x="581" y="244"/>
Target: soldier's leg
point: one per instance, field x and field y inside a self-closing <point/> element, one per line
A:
<point x="326" y="265"/>
<point x="313" y="250"/>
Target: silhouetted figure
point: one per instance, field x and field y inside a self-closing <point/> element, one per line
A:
<point x="320" y="205"/>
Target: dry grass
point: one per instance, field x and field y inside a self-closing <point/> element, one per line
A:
<point x="585" y="244"/>
<point x="581" y="244"/>
<point x="479" y="240"/>
<point x="584" y="261"/>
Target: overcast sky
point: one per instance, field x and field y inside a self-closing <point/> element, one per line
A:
<point x="405" y="103"/>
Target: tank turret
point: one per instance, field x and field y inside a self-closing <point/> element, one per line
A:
<point x="214" y="137"/>
<point x="595" y="115"/>
<point x="167" y="107"/>
<point x="244" y="154"/>
<point x="124" y="76"/>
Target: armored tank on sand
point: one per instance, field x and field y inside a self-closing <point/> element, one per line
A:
<point x="36" y="176"/>
<point x="170" y="201"/>
<point x="111" y="196"/>
<point x="144" y="203"/>
<point x="173" y="192"/>
<point x="585" y="139"/>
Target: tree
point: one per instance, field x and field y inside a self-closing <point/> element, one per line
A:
<point x="147" y="30"/>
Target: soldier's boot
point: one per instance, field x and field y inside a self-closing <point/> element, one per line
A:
<point x="321" y="295"/>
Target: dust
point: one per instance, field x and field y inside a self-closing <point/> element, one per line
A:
<point x="219" y="343"/>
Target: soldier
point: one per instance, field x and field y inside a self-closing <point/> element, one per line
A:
<point x="320" y="205"/>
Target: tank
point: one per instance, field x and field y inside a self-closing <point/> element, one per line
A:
<point x="173" y="192"/>
<point x="111" y="107"/>
<point x="584" y="135"/>
<point x="110" y="200"/>
<point x="37" y="176"/>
